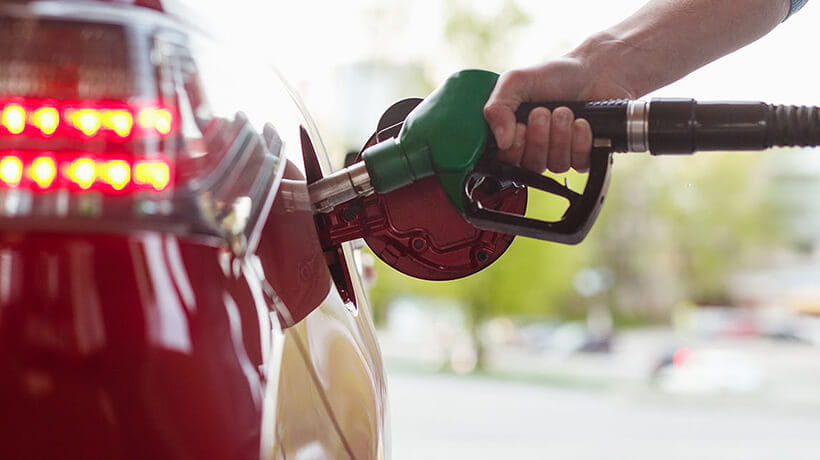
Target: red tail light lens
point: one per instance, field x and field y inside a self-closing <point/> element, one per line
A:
<point x="82" y="109"/>
<point x="26" y="119"/>
<point x="47" y="171"/>
<point x="82" y="120"/>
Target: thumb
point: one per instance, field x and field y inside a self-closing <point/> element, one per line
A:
<point x="501" y="118"/>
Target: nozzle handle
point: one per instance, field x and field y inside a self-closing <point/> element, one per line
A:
<point x="608" y="118"/>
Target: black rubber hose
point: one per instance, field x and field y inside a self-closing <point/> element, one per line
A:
<point x="683" y="126"/>
<point x="794" y="126"/>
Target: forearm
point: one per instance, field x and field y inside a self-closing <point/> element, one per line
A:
<point x="667" y="39"/>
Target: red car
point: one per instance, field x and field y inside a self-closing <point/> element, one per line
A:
<point x="163" y="290"/>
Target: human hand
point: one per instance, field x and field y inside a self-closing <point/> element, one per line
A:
<point x="550" y="140"/>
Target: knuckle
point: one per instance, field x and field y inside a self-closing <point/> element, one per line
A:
<point x="492" y="113"/>
<point x="514" y="77"/>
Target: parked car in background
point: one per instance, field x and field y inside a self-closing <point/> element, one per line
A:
<point x="707" y="371"/>
<point x="163" y="291"/>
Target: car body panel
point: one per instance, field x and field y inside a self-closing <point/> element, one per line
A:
<point x="305" y="428"/>
<point x="340" y="345"/>
<point x="154" y="343"/>
<point x="102" y="332"/>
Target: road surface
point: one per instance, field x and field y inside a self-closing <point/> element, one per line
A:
<point x="438" y="416"/>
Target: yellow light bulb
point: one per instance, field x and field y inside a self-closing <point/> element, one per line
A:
<point x="162" y="122"/>
<point x="145" y="118"/>
<point x="86" y="120"/>
<point x="47" y="119"/>
<point x="11" y="170"/>
<point x="117" y="173"/>
<point x="159" y="120"/>
<point x="43" y="171"/>
<point x="14" y="118"/>
<point x="153" y="173"/>
<point x="119" y="121"/>
<point x="83" y="172"/>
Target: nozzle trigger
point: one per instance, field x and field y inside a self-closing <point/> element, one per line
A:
<point x="573" y="226"/>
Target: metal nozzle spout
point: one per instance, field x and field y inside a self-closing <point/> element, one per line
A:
<point x="340" y="187"/>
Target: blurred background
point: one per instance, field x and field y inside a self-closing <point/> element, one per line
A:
<point x="687" y="324"/>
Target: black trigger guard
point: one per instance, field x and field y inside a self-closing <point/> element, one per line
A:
<point x="578" y="218"/>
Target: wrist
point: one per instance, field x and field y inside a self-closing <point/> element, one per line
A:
<point x="615" y="62"/>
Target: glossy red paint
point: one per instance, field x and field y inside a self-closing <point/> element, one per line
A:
<point x="127" y="348"/>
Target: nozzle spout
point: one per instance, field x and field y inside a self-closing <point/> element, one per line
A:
<point x="340" y="187"/>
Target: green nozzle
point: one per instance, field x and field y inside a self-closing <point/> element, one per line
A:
<point x="445" y="135"/>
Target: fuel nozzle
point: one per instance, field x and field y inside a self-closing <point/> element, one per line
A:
<point x="401" y="195"/>
<point x="446" y="137"/>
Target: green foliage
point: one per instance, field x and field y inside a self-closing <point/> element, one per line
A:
<point x="676" y="228"/>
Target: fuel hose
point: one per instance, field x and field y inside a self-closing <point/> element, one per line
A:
<point x="685" y="126"/>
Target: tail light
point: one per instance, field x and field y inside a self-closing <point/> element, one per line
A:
<point x="106" y="124"/>
<point x="86" y="128"/>
<point x="34" y="135"/>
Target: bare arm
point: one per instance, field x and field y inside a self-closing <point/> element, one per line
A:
<point x="667" y="39"/>
<point x="662" y="42"/>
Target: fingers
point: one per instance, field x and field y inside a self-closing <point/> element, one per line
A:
<point x="581" y="145"/>
<point x="551" y="141"/>
<point x="537" y="140"/>
<point x="558" y="158"/>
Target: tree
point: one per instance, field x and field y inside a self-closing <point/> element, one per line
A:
<point x="675" y="229"/>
